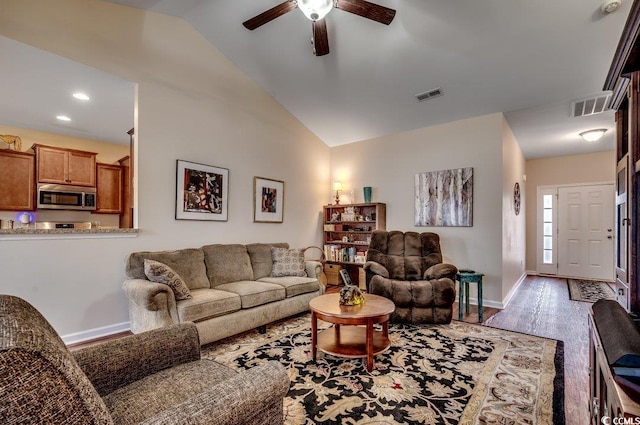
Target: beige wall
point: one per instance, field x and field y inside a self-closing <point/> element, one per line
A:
<point x="589" y="168"/>
<point x="513" y="226"/>
<point x="389" y="165"/>
<point x="192" y="104"/>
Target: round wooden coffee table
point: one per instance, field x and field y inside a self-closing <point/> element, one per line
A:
<point x="359" y="339"/>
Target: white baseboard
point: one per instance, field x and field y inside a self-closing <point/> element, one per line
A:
<point x="513" y="290"/>
<point x="91" y="334"/>
<point x="505" y="301"/>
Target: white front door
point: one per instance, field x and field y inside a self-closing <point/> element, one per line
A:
<point x="585" y="232"/>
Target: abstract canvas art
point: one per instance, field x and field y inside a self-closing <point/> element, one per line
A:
<point x="201" y="192"/>
<point x="444" y="198"/>
<point x="268" y="200"/>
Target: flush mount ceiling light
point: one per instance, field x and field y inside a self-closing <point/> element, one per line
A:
<point x="593" y="135"/>
<point x="315" y="10"/>
<point x="63" y="118"/>
<point x="81" y="96"/>
<point x="610" y="6"/>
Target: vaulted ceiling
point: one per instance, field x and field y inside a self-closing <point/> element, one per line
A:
<point x="527" y="59"/>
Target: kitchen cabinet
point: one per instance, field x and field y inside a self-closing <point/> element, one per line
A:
<point x="109" y="197"/>
<point x="17" y="183"/>
<point x="126" y="219"/>
<point x="65" y="166"/>
<point x="347" y="233"/>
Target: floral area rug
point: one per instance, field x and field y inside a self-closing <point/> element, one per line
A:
<point x="590" y="290"/>
<point x="459" y="373"/>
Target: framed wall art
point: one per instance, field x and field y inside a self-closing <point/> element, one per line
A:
<point x="268" y="200"/>
<point x="201" y="192"/>
<point x="444" y="198"/>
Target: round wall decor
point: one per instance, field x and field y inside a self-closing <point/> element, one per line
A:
<point x="516" y="198"/>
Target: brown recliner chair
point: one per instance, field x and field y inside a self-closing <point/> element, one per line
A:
<point x="407" y="268"/>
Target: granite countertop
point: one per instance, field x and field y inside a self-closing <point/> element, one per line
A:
<point x="65" y="231"/>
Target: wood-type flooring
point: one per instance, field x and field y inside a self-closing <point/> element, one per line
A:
<point x="541" y="306"/>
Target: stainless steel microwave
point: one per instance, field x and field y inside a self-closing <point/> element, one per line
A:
<point x="65" y="197"/>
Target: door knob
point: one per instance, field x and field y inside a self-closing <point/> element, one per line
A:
<point x="609" y="237"/>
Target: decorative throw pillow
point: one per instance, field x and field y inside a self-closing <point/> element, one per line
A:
<point x="161" y="273"/>
<point x="287" y="262"/>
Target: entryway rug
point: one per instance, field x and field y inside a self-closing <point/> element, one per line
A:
<point x="459" y="373"/>
<point x="590" y="290"/>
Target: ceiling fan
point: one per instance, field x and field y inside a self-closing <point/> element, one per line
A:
<point x="316" y="10"/>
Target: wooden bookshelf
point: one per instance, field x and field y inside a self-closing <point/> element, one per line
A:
<point x="346" y="235"/>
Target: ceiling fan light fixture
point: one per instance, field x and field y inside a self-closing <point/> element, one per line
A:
<point x="315" y="10"/>
<point x="593" y="135"/>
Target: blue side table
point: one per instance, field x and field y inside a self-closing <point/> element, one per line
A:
<point x="465" y="278"/>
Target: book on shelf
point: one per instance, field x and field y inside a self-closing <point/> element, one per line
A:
<point x="342" y="254"/>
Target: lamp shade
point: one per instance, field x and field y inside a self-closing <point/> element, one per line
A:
<point x="315" y="9"/>
<point x="593" y="135"/>
<point x="337" y="186"/>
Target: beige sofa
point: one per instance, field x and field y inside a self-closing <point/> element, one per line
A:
<point x="231" y="287"/>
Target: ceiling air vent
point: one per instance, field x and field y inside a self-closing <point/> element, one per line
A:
<point x="591" y="105"/>
<point x="429" y="94"/>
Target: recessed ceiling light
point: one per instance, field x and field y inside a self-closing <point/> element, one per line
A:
<point x="81" y="96"/>
<point x="63" y="118"/>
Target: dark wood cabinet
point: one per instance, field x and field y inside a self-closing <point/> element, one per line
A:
<point x="608" y="398"/>
<point x="17" y="181"/>
<point x="623" y="80"/>
<point x="109" y="189"/>
<point x="65" y="166"/>
<point x="126" y="219"/>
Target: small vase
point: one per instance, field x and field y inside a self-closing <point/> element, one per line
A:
<point x="367" y="194"/>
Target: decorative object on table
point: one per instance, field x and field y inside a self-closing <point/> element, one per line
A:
<point x="351" y="295"/>
<point x="337" y="186"/>
<point x="444" y="198"/>
<point x="590" y="291"/>
<point x="516" y="198"/>
<point x="466" y="373"/>
<point x="268" y="200"/>
<point x="201" y="191"/>
<point x="367" y="194"/>
<point x="14" y="141"/>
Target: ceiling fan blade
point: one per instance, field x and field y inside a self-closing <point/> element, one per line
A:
<point x="270" y="15"/>
<point x="320" y="38"/>
<point x="363" y="8"/>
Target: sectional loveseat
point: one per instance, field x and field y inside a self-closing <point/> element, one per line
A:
<point x="231" y="286"/>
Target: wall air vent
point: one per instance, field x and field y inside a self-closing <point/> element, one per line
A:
<point x="429" y="94"/>
<point x="591" y="105"/>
